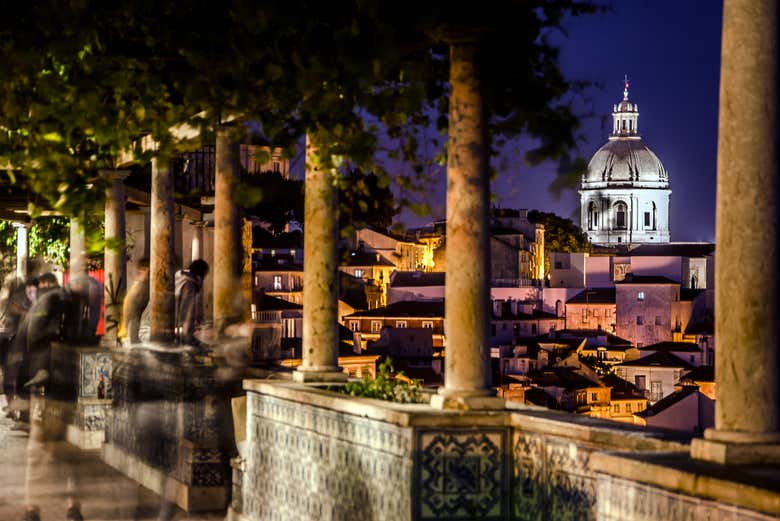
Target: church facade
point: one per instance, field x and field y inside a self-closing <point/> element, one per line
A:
<point x="624" y="196"/>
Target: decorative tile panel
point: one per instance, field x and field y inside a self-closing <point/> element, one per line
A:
<point x="95" y="374"/>
<point x="461" y="474"/>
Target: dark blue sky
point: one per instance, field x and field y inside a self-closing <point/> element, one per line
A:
<point x="671" y="53"/>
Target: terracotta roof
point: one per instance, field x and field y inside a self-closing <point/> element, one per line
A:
<point x="406" y="308"/>
<point x="668" y="401"/>
<point x="684" y="347"/>
<point x="594" y="296"/>
<point x="403" y="279"/>
<point x="658" y="359"/>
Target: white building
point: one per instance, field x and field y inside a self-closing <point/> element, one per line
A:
<point x="625" y="192"/>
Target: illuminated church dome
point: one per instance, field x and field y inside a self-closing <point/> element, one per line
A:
<point x="624" y="195"/>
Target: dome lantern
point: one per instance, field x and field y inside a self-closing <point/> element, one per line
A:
<point x="625" y="116"/>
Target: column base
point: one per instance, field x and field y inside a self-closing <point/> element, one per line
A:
<point x="467" y="400"/>
<point x="319" y="374"/>
<point x="737" y="448"/>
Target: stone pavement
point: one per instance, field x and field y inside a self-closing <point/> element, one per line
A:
<point x="105" y="494"/>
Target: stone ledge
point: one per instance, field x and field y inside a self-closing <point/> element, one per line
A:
<point x="404" y="415"/>
<point x="597" y="431"/>
<point x="754" y="488"/>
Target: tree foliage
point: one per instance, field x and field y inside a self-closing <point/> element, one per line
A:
<point x="364" y="200"/>
<point x="48" y="238"/>
<point x="82" y="81"/>
<point x="560" y="235"/>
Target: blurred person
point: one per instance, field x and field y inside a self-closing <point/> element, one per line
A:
<point x="188" y="308"/>
<point x="135" y="303"/>
<point x="189" y="284"/>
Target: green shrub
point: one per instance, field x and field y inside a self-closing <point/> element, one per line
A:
<point x="386" y="386"/>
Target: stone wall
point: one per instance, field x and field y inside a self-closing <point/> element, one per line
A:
<point x="314" y="454"/>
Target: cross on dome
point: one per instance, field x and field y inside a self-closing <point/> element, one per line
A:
<point x="625" y="87"/>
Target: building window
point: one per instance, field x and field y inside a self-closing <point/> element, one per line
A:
<point x="354" y="325"/>
<point x="593" y="216"/>
<point x="376" y="326"/>
<point x="640" y="295"/>
<point x="277" y="282"/>
<point x="276" y="166"/>
<point x="400" y="323"/>
<point x="359" y="274"/>
<point x="620" y="215"/>
<point x="658" y="321"/>
<point x="628" y="407"/>
<point x="616" y="408"/>
<point x="640" y="381"/>
<point x="594" y="397"/>
<point x="533" y="329"/>
<point x="640" y="320"/>
<point x="427" y="324"/>
<point x="647" y="219"/>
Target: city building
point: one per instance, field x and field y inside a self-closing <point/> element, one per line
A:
<point x="624" y="195"/>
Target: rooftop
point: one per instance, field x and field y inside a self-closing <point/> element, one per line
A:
<point x="668" y="401"/>
<point x="406" y="308"/>
<point x="683" y="347"/>
<point x="402" y="279"/>
<point x="658" y="359"/>
<point x="594" y="296"/>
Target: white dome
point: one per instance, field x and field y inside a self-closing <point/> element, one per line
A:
<point x="623" y="161"/>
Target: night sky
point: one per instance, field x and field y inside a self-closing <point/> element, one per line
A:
<point x="670" y="51"/>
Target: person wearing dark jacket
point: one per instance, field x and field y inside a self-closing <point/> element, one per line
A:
<point x="189" y="283"/>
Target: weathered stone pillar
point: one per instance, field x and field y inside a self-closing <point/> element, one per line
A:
<point x="320" y="275"/>
<point x="78" y="248"/>
<point x="228" y="261"/>
<point x="467" y="291"/>
<point x="161" y="255"/>
<point x="22" y="250"/>
<point x="747" y="408"/>
<point x="114" y="255"/>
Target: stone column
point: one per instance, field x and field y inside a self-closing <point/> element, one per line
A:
<point x="747" y="408"/>
<point x="320" y="273"/>
<point x="78" y="248"/>
<point x="22" y="250"/>
<point x="467" y="291"/>
<point x="228" y="262"/>
<point x="114" y="256"/>
<point x="161" y="255"/>
<point x="197" y="240"/>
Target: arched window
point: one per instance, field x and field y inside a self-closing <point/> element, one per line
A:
<point x="593" y="216"/>
<point x="621" y="221"/>
<point x="559" y="308"/>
